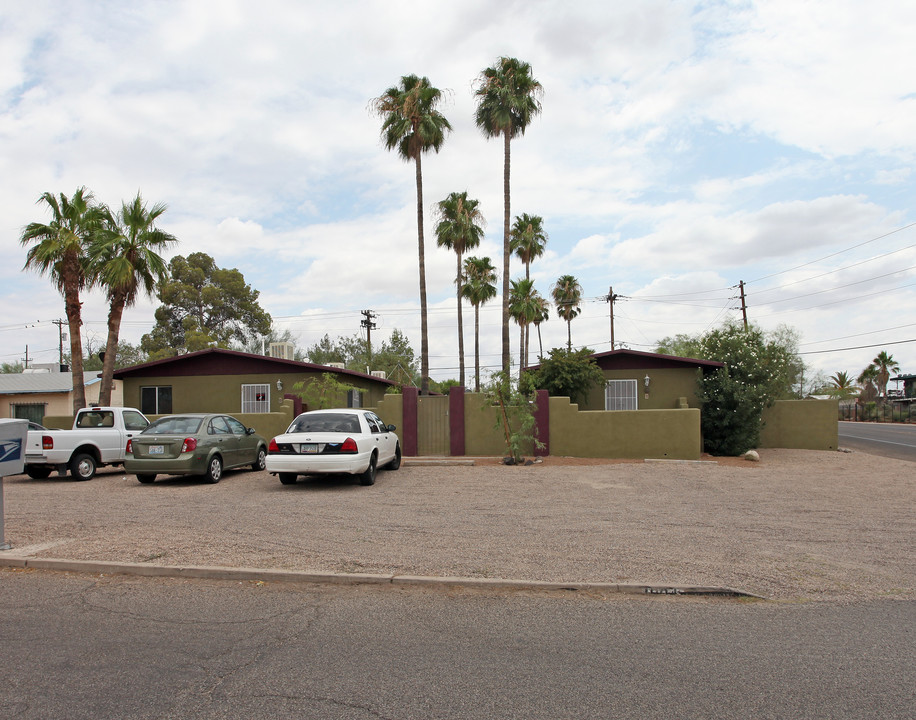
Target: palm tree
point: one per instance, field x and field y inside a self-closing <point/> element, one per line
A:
<point x="543" y="314"/>
<point x="412" y="125"/>
<point x="60" y="251"/>
<point x="528" y="241"/>
<point x="842" y="386"/>
<point x="885" y="365"/>
<point x="459" y="229"/>
<point x="125" y="262"/>
<point x="525" y="309"/>
<point x="479" y="286"/>
<point x="867" y="379"/>
<point x="507" y="100"/>
<point x="567" y="294"/>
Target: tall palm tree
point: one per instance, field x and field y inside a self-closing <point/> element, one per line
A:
<point x="567" y="294"/>
<point x="528" y="240"/>
<point x="479" y="286"/>
<point x="507" y="101"/>
<point x="412" y="124"/>
<point x="60" y="251"/>
<point x="125" y="261"/>
<point x="885" y="365"/>
<point x="543" y="314"/>
<point x="524" y="308"/>
<point x="459" y="229"/>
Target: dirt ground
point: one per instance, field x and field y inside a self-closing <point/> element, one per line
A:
<point x="796" y="526"/>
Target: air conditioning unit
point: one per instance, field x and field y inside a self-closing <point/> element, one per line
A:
<point x="379" y="374"/>
<point x="339" y="366"/>
<point x="282" y="350"/>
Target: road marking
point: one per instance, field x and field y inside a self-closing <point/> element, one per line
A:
<point x="868" y="439"/>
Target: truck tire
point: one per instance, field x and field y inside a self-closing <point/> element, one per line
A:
<point x="38" y="473"/>
<point x="83" y="466"/>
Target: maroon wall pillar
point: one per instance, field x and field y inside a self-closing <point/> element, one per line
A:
<point x="542" y="423"/>
<point x="456" y="421"/>
<point x="408" y="433"/>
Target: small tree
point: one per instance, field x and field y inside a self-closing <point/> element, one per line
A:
<point x="322" y="394"/>
<point x="568" y="373"/>
<point x="515" y="417"/>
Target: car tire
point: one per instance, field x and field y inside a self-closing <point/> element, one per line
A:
<point x="146" y="478"/>
<point x="396" y="463"/>
<point x="368" y="477"/>
<point x="214" y="469"/>
<point x="83" y="466"/>
<point x="261" y="461"/>
<point x="288" y="478"/>
<point x="38" y="473"/>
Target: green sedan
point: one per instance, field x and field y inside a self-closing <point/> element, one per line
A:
<point x="194" y="444"/>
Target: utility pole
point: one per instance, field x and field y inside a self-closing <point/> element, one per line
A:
<point x="366" y="322"/>
<point x="611" y="297"/>
<point x="743" y="304"/>
<point x="26" y="358"/>
<point x="60" y="331"/>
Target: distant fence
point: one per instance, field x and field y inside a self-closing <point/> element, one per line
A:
<point x="893" y="412"/>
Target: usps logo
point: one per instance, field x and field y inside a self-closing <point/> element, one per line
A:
<point x="10" y="450"/>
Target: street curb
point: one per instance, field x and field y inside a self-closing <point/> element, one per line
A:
<point x="292" y="576"/>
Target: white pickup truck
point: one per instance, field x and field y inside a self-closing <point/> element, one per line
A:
<point x="99" y="437"/>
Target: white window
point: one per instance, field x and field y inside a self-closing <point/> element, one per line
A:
<point x="620" y="395"/>
<point x="256" y="398"/>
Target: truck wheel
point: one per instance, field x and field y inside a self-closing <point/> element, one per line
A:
<point x="38" y="473"/>
<point x="83" y="466"/>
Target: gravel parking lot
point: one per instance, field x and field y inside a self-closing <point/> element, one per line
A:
<point x="799" y="525"/>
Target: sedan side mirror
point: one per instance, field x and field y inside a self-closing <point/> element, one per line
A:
<point x="249" y="431"/>
<point x="391" y="428"/>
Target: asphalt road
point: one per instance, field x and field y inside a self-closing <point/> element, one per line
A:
<point x="891" y="440"/>
<point x="118" y="647"/>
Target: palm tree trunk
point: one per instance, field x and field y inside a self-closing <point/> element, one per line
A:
<point x="540" y="344"/>
<point x="424" y="332"/>
<point x="477" y="348"/>
<point x="111" y="348"/>
<point x="74" y="321"/>
<point x="569" y="335"/>
<point x="521" y="349"/>
<point x="460" y="327"/>
<point x="506" y="254"/>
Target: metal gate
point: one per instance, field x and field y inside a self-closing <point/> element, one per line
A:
<point x="432" y="426"/>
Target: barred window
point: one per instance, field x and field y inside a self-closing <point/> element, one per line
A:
<point x="256" y="398"/>
<point x="620" y="395"/>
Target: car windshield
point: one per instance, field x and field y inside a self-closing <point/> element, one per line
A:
<point x="174" y="426"/>
<point x="325" y="422"/>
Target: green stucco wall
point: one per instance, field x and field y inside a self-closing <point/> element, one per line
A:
<point x="666" y="386"/>
<point x="391" y="410"/>
<point x="801" y="424"/>
<point x="656" y="434"/>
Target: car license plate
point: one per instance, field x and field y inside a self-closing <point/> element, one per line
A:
<point x="157" y="450"/>
<point x="308" y="448"/>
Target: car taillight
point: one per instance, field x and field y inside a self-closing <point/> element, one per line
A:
<point x="47" y="442"/>
<point x="189" y="444"/>
<point x="349" y="446"/>
<point x="273" y="447"/>
<point x="130" y="448"/>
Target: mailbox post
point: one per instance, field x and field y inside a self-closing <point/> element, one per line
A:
<point x="13" y="433"/>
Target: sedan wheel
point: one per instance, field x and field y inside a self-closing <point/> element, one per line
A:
<point x="261" y="462"/>
<point x="396" y="463"/>
<point x="288" y="478"/>
<point x="146" y="478"/>
<point x="368" y="477"/>
<point x="214" y="469"/>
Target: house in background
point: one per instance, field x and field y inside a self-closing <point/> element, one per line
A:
<point x="646" y="381"/>
<point x="45" y="390"/>
<point x="229" y="381"/>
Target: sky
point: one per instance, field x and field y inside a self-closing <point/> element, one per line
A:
<point x="683" y="147"/>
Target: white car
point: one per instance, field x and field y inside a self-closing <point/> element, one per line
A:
<point x="349" y="441"/>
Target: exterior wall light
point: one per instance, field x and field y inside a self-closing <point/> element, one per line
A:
<point x="279" y="386"/>
<point x="646" y="383"/>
